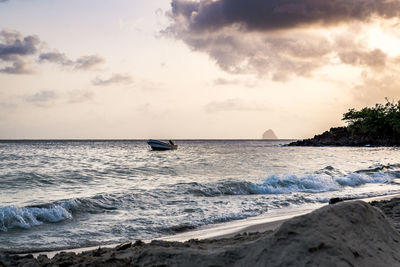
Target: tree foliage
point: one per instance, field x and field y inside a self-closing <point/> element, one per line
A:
<point x="381" y="121"/>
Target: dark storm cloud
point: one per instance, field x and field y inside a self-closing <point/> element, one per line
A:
<point x="114" y="79"/>
<point x="13" y="48"/>
<point x="13" y="45"/>
<point x="277" y="14"/>
<point x="271" y="38"/>
<point x="272" y="55"/>
<point x="84" y="62"/>
<point x="17" y="52"/>
<point x="55" y="57"/>
<point x="374" y="58"/>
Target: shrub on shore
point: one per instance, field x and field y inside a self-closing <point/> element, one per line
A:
<point x="381" y="121"/>
<point x="375" y="126"/>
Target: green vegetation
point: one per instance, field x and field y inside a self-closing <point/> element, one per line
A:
<point x="381" y="121"/>
<point x="370" y="126"/>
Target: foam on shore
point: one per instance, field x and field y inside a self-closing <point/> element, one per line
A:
<point x="266" y="222"/>
<point x="350" y="233"/>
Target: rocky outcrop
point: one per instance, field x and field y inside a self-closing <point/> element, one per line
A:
<point x="342" y="136"/>
<point x="269" y="134"/>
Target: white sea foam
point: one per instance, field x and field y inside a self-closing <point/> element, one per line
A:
<point x="318" y="183"/>
<point x="356" y="179"/>
<point x="27" y="217"/>
<point x="291" y="183"/>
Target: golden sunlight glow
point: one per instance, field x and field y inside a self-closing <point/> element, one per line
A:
<point x="382" y="35"/>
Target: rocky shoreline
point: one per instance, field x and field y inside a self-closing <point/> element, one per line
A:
<point x="350" y="233"/>
<point x="342" y="136"/>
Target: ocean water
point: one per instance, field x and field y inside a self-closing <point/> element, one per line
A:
<point x="71" y="194"/>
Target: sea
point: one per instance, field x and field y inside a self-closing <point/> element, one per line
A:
<point x="61" y="194"/>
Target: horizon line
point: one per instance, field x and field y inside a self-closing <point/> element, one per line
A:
<point x="144" y="139"/>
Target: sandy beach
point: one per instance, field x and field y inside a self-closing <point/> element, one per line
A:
<point x="350" y="233"/>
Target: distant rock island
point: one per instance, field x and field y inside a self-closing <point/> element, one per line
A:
<point x="269" y="134"/>
<point x="376" y="126"/>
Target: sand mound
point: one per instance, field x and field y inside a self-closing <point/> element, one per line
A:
<point x="345" y="234"/>
<point x="391" y="208"/>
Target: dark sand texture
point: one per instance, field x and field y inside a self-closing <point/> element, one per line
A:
<point x="346" y="234"/>
<point x="391" y="208"/>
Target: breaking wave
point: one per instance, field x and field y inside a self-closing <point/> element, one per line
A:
<point x="324" y="180"/>
<point x="26" y="217"/>
<point x="12" y="217"/>
<point x="321" y="181"/>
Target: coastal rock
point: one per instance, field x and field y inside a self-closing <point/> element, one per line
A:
<point x="370" y="126"/>
<point x="335" y="200"/>
<point x="342" y="136"/>
<point x="349" y="233"/>
<point x="269" y="134"/>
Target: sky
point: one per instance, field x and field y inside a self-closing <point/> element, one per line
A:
<point x="180" y="69"/>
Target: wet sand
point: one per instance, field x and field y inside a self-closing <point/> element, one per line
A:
<point x="351" y="233"/>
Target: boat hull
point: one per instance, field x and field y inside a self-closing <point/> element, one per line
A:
<point x="160" y="146"/>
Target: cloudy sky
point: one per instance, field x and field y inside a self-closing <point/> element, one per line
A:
<point x="192" y="69"/>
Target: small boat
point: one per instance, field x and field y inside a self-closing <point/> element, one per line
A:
<point x="159" y="145"/>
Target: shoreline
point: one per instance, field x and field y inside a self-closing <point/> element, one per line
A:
<point x="348" y="233"/>
<point x="258" y="224"/>
<point x="261" y="223"/>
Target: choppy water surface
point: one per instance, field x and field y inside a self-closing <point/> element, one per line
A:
<point x="64" y="194"/>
